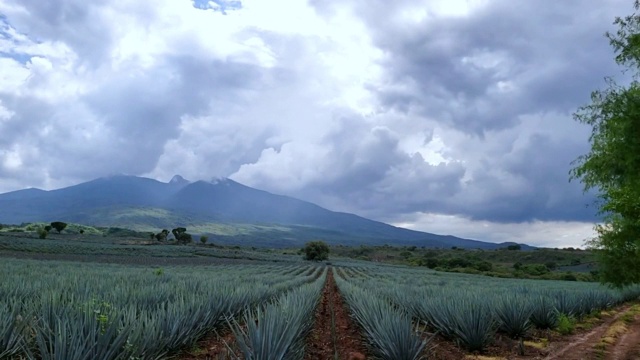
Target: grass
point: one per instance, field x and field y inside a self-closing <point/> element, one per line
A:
<point x="542" y="344"/>
<point x="618" y="328"/>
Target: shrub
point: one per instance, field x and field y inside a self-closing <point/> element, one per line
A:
<point x="42" y="233"/>
<point x="58" y="225"/>
<point x="484" y="266"/>
<point x="204" y="239"/>
<point x="566" y="324"/>
<point x="185" y="238"/>
<point x="316" y="250"/>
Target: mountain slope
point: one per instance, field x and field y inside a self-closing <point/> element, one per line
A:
<point x="231" y="211"/>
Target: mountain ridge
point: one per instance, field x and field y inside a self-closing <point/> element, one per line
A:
<point x="143" y="203"/>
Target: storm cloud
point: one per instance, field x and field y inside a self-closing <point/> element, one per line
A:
<point x="445" y="116"/>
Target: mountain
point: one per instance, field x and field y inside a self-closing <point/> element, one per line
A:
<point x="228" y="210"/>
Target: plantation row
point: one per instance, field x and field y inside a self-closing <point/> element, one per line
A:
<point x="467" y="309"/>
<point x="96" y="246"/>
<point x="52" y="310"/>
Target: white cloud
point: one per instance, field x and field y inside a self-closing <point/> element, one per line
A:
<point x="444" y="107"/>
<point x="552" y="234"/>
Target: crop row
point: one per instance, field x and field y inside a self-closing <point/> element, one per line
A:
<point x="472" y="309"/>
<point x="54" y="310"/>
<point x="277" y="330"/>
<point x="388" y="329"/>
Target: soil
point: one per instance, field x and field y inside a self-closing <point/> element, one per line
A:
<point x="583" y="346"/>
<point x="215" y="346"/>
<point x="338" y="335"/>
<point x="580" y="346"/>
<point x="628" y="345"/>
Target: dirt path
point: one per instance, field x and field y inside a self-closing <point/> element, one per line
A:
<point x="628" y="345"/>
<point x="584" y="346"/>
<point x="215" y="346"/>
<point x="337" y="334"/>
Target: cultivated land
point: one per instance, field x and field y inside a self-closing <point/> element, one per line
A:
<point x="107" y="294"/>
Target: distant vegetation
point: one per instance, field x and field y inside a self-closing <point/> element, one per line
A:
<point x="509" y="262"/>
<point x="316" y="250"/>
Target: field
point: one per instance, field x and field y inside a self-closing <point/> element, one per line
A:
<point x="95" y="297"/>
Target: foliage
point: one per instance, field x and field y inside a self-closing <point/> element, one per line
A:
<point x="181" y="235"/>
<point x="316" y="250"/>
<point x="58" y="225"/>
<point x="544" y="315"/>
<point x="204" y="239"/>
<point x="566" y="324"/>
<point x="119" y="312"/>
<point x="612" y="166"/>
<point x="162" y="235"/>
<point x="42" y="233"/>
<point x="177" y="231"/>
<point x="278" y="330"/>
<point x="48" y="228"/>
<point x="389" y="330"/>
<point x="513" y="313"/>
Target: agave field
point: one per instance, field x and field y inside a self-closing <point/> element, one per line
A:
<point x="52" y="310"/>
<point x="78" y="310"/>
<point x="467" y="309"/>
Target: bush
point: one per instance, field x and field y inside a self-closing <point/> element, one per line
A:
<point x="566" y="324"/>
<point x="42" y="233"/>
<point x="204" y="239"/>
<point x="185" y="238"/>
<point x="58" y="225"/>
<point x="316" y="250"/>
<point x="484" y="266"/>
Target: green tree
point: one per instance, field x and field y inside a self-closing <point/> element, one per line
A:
<point x="162" y="235"/>
<point x="612" y="166"/>
<point x="177" y="231"/>
<point x="316" y="250"/>
<point x="184" y="238"/>
<point x="58" y="225"/>
<point x="204" y="239"/>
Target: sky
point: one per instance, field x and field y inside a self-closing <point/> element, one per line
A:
<point x="447" y="116"/>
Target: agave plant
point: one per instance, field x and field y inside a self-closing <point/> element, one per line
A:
<point x="13" y="324"/>
<point x="474" y="323"/>
<point x="388" y="329"/>
<point x="277" y="330"/>
<point x="513" y="313"/>
<point x="544" y="314"/>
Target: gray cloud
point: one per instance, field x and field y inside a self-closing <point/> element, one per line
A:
<point x="356" y="106"/>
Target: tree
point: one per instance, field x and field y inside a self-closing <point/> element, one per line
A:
<point x="204" y="239"/>
<point x="42" y="233"/>
<point x="162" y="235"/>
<point x="316" y="250"/>
<point x="612" y="166"/>
<point x="58" y="225"/>
<point x="181" y="235"/>
<point x="514" y="247"/>
<point x="177" y="231"/>
<point x="48" y="228"/>
<point x="184" y="238"/>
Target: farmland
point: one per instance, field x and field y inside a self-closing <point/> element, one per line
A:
<point x="95" y="297"/>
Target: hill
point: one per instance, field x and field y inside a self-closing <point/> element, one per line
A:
<point x="227" y="210"/>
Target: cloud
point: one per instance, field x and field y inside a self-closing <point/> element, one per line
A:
<point x="461" y="109"/>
